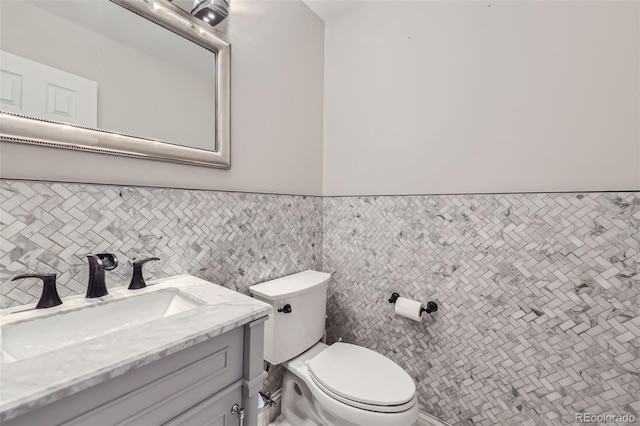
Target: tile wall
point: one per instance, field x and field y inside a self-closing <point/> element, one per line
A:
<point x="539" y="294"/>
<point x="235" y="239"/>
<point x="539" y="298"/>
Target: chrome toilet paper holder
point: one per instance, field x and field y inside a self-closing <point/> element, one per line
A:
<point x="431" y="306"/>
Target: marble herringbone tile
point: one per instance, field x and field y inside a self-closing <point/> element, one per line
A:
<point x="539" y="299"/>
<point x="233" y="239"/>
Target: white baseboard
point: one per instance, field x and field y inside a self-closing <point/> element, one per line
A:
<point x="426" y="419"/>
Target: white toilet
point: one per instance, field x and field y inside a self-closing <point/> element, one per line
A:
<point x="337" y="385"/>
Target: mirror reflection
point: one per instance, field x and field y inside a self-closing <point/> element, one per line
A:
<point x="99" y="65"/>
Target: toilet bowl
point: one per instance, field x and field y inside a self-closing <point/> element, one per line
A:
<point x="311" y="391"/>
<point x="337" y="385"/>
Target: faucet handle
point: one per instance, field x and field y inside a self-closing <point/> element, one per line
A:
<point x="49" y="296"/>
<point x="137" y="280"/>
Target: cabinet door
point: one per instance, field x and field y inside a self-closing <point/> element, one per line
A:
<point x="214" y="411"/>
<point x="219" y="366"/>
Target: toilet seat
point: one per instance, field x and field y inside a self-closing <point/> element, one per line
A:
<point x="362" y="378"/>
<point x="369" y="407"/>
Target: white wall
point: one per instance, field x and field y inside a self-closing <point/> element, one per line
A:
<point x="277" y="92"/>
<point x="453" y="97"/>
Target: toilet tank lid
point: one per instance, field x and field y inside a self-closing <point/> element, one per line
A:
<point x="291" y="285"/>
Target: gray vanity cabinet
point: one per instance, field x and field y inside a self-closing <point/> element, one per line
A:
<point x="196" y="386"/>
<point x="213" y="411"/>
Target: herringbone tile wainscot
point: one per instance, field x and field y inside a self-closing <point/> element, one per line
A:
<point x="234" y="239"/>
<point x="539" y="298"/>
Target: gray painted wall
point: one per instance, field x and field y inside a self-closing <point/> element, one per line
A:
<point x="276" y="116"/>
<point x="427" y="97"/>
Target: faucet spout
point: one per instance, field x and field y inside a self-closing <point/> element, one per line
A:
<point x="98" y="263"/>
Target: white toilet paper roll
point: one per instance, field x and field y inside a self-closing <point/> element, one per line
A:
<point x="408" y="308"/>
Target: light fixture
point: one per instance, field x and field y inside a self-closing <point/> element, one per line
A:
<point x="211" y="11"/>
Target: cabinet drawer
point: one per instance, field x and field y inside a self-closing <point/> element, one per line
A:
<point x="215" y="411"/>
<point x="160" y="400"/>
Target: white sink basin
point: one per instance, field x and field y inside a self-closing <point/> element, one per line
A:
<point x="33" y="337"/>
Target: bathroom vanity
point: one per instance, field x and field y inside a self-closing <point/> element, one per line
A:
<point x="181" y="351"/>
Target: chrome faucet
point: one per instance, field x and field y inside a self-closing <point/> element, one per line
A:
<point x="98" y="263"/>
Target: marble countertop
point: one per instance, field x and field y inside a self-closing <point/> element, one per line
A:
<point x="36" y="381"/>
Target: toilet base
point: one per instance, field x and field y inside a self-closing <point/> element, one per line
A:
<point x="297" y="407"/>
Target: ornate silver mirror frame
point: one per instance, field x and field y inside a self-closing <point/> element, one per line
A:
<point x="15" y="128"/>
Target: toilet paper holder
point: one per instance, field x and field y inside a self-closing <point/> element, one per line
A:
<point x="431" y="306"/>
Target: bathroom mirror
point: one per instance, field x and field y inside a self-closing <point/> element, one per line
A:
<point x="139" y="78"/>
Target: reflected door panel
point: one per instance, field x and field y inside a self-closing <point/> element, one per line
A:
<point x="36" y="90"/>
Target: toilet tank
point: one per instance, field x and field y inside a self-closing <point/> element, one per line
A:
<point x="287" y="335"/>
